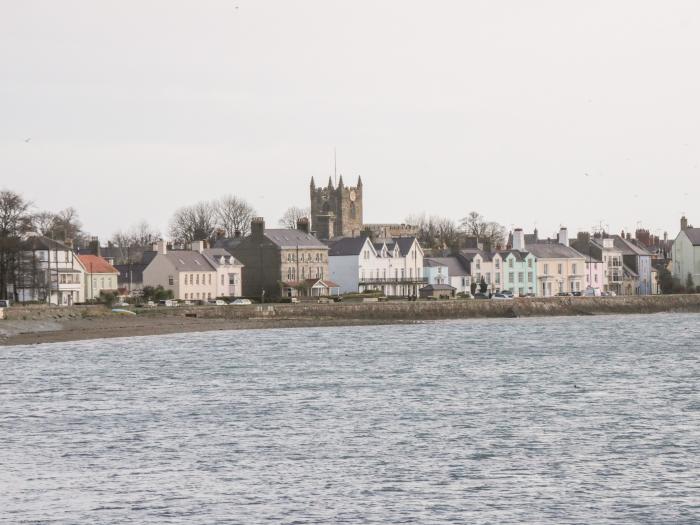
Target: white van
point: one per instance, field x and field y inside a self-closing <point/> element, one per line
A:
<point x="592" y="292"/>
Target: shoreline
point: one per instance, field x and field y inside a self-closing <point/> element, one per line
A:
<point x="24" y="325"/>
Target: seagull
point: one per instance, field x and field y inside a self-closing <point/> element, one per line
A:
<point x="27" y="139"/>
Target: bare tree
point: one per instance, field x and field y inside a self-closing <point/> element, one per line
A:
<point x="489" y="232"/>
<point x="193" y="223"/>
<point x="435" y="232"/>
<point x="234" y="214"/>
<point x="43" y="222"/>
<point x="14" y="223"/>
<point x="292" y="215"/>
<point x="67" y="226"/>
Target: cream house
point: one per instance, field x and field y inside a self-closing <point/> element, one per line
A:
<point x="560" y="268"/>
<point x="100" y="276"/>
<point x="188" y="273"/>
<point x="228" y="270"/>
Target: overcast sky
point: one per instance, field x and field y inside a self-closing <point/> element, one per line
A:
<point x="137" y="107"/>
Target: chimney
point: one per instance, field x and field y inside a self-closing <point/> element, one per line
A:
<point x="303" y="225"/>
<point x="665" y="237"/>
<point x="257" y="227"/>
<point x="160" y="247"/>
<point x="684" y="223"/>
<point x="95" y="246"/>
<point x="197" y="246"/>
<point x="518" y="239"/>
<point x="564" y="236"/>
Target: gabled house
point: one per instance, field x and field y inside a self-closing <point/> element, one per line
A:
<point x="686" y="255"/>
<point x="229" y="270"/>
<point x="517" y="272"/>
<point x="638" y="260"/>
<point x="100" y="276"/>
<point x="392" y="266"/>
<point x="49" y="272"/>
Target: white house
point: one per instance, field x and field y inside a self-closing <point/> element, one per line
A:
<point x="228" y="270"/>
<point x="393" y="266"/>
<point x="49" y="272"/>
<point x="447" y="270"/>
<point x="686" y="254"/>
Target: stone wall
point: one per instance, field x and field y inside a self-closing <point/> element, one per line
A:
<point x="398" y="310"/>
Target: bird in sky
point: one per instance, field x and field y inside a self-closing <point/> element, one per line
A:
<point x="27" y="139"/>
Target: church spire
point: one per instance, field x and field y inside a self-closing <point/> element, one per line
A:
<point x="313" y="184"/>
<point x="359" y="181"/>
<point x="340" y="181"/>
<point x="330" y="183"/>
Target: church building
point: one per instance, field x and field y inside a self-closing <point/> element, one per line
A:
<point x="336" y="211"/>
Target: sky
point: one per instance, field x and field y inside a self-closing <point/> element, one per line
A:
<point x="543" y="113"/>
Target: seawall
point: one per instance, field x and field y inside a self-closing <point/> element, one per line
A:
<point x="388" y="311"/>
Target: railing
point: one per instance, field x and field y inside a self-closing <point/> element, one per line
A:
<point x="394" y="280"/>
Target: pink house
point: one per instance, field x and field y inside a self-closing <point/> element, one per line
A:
<point x="595" y="274"/>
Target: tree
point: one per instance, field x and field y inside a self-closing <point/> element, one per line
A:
<point x="473" y="287"/>
<point x="435" y="232"/>
<point x="14" y="223"/>
<point x="67" y="226"/>
<point x="194" y="223"/>
<point x="689" y="284"/>
<point x="489" y="232"/>
<point x="234" y="214"/>
<point x="292" y="215"/>
<point x="482" y="285"/>
<point x="665" y="280"/>
<point x="43" y="223"/>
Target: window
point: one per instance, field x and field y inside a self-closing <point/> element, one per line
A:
<point x="478" y="264"/>
<point x="232" y="278"/>
<point x="529" y="263"/>
<point x="208" y="295"/>
<point x="520" y="277"/>
<point x="186" y="297"/>
<point x="559" y="268"/>
<point x="222" y="279"/>
<point x="595" y="278"/>
<point x="209" y="278"/>
<point x="573" y="269"/>
<point x="510" y="263"/>
<point x="488" y="277"/>
<point x="511" y="277"/>
<point x="498" y="278"/>
<point x="497" y="262"/>
<point x="171" y="280"/>
<point x="197" y="280"/>
<point x="546" y="269"/>
<point x="529" y="276"/>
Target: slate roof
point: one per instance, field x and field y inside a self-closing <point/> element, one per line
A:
<point x="285" y="238"/>
<point x="213" y="254"/>
<point x="553" y="251"/>
<point x="228" y="244"/>
<point x="694" y="235"/>
<point x="136" y="270"/>
<point x="404" y="244"/>
<point x="519" y="255"/>
<point x="189" y="261"/>
<point x="95" y="264"/>
<point x="628" y="247"/>
<point x="346" y="246"/>
<point x="41" y="242"/>
<point x="454" y="267"/>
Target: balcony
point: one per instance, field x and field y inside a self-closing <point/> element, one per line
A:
<point x="394" y="280"/>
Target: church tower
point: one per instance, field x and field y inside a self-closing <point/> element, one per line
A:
<point x="336" y="211"/>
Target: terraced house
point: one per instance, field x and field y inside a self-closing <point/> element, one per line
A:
<point x="560" y="268"/>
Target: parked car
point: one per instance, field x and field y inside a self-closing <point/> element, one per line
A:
<point x="167" y="302"/>
<point x="217" y="302"/>
<point x="4" y="303"/>
<point x="592" y="292"/>
<point x="501" y="295"/>
<point x="241" y="301"/>
<point x="506" y="292"/>
<point x="121" y="304"/>
<point x="564" y="294"/>
<point x="576" y="294"/>
<point x="480" y="295"/>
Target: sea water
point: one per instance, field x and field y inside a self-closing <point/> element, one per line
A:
<point x="557" y="420"/>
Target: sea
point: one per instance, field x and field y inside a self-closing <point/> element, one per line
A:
<point x="572" y="420"/>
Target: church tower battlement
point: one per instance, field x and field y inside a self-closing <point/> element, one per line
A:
<point x="336" y="211"/>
